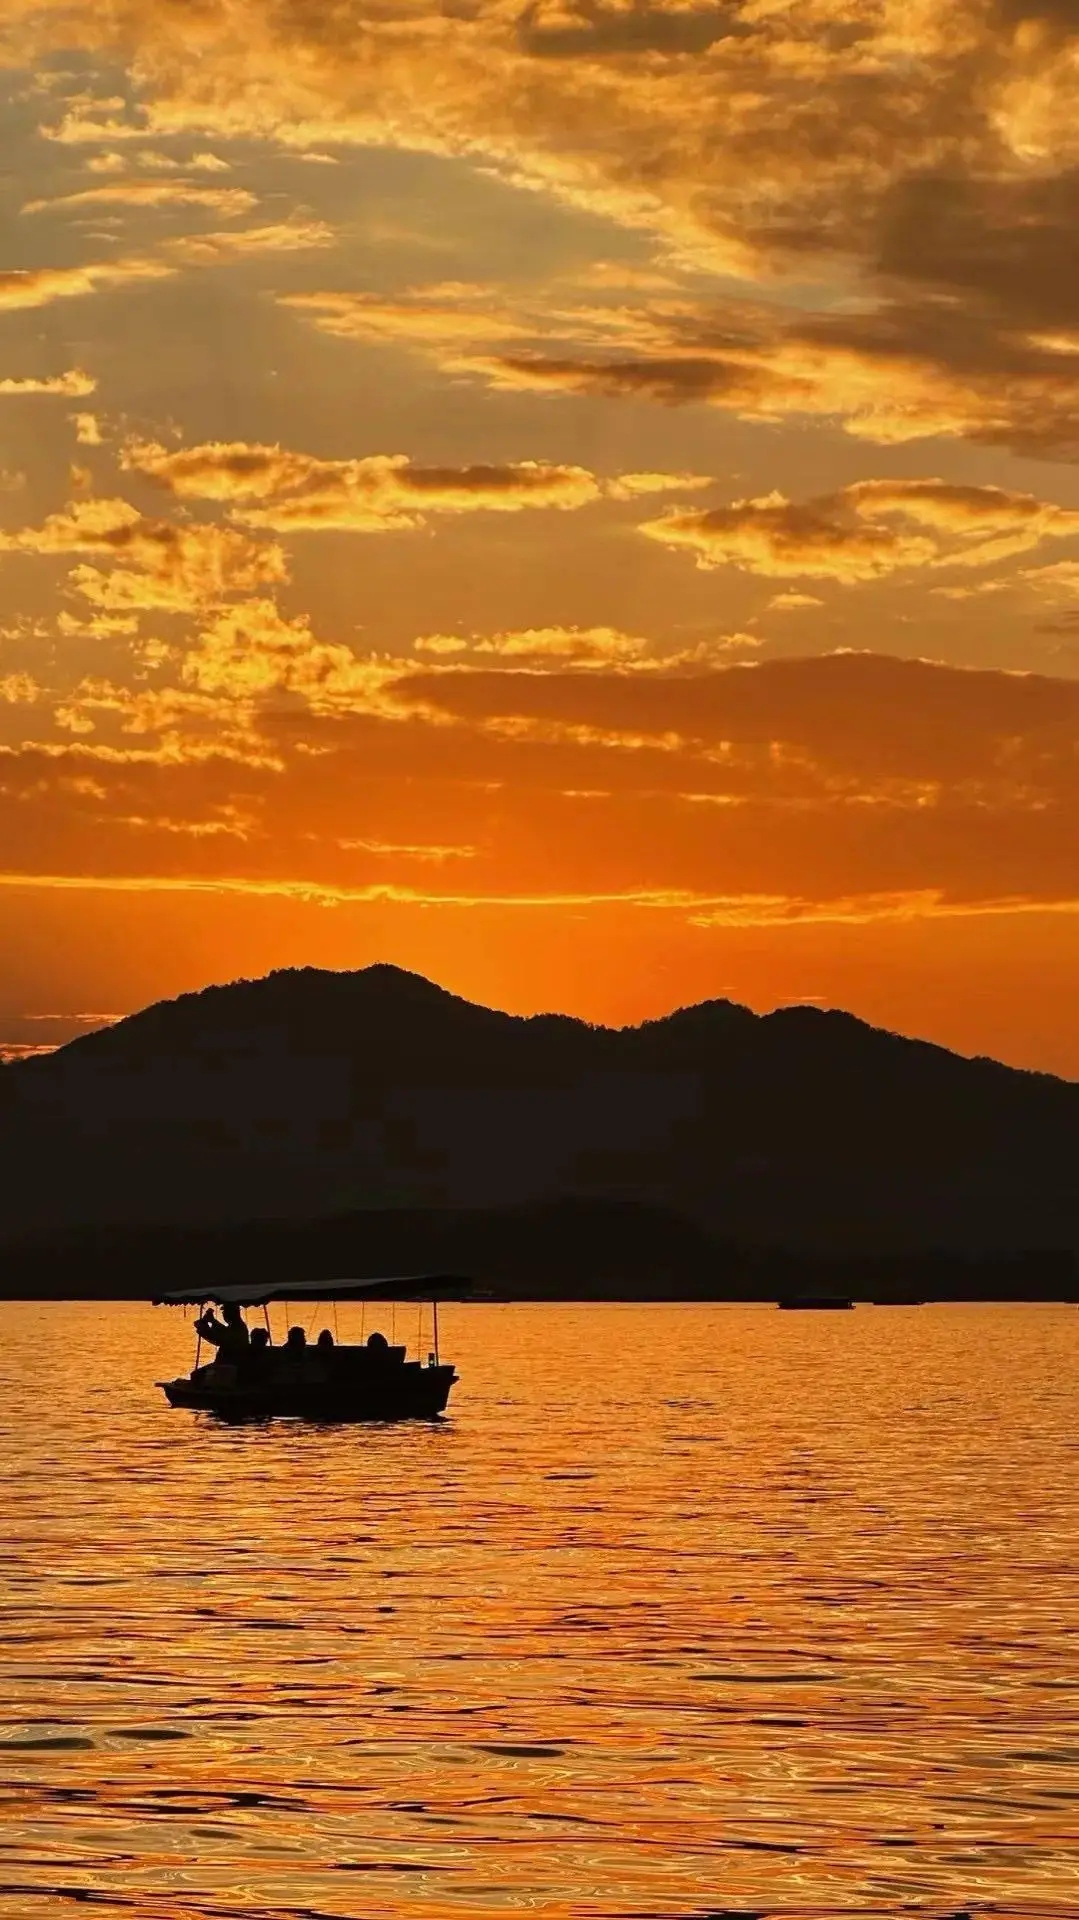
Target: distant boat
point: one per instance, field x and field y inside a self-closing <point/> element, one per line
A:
<point x="815" y="1302"/>
<point x="251" y="1378"/>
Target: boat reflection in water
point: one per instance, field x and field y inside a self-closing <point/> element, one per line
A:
<point x="252" y="1378"/>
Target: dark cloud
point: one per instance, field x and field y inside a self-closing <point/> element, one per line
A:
<point x="672" y="380"/>
<point x="1010" y="244"/>
<point x="590" y="30"/>
<point x="1060" y="16"/>
<point x="850" y="715"/>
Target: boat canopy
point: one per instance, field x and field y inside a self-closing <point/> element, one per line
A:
<point x="252" y="1293"/>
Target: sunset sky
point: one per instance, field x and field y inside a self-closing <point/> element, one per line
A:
<point x="578" y="498"/>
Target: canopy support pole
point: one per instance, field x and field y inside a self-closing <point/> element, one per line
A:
<point x="434" y="1315"/>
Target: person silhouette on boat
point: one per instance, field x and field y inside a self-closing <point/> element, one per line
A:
<point x="229" y="1334"/>
<point x="258" y="1352"/>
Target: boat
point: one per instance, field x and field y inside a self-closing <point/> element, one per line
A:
<point x="815" y="1302"/>
<point x="323" y="1380"/>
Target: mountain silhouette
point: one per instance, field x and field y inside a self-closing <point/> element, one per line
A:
<point x="309" y="1094"/>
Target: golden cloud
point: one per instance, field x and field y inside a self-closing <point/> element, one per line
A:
<point x="877" y="392"/>
<point x="589" y="647"/>
<point x="296" y="235"/>
<point x="793" y="602"/>
<point x="849" y="536"/>
<point x="925" y="164"/>
<point x="97" y="626"/>
<point x="87" y="429"/>
<point x="157" y="162"/>
<point x="538" y="649"/>
<point x="273" y="487"/>
<point x="18" y="689"/>
<point x="453" y="322"/>
<point x="776" y="536"/>
<point x="159" y="564"/>
<point x="150" y="193"/>
<point x="250" y="651"/>
<point x="1060" y="579"/>
<point x="41" y="286"/>
<point x="888" y="375"/>
<point x="996" y="522"/>
<point x="73" y="385"/>
<point x="188" y="727"/>
<point x="630" y="486"/>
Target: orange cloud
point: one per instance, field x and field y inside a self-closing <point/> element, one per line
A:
<point x="393" y="850"/>
<point x="852" y="788"/>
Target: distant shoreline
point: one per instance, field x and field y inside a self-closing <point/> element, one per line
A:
<point x="572" y="1248"/>
<point x="597" y="1300"/>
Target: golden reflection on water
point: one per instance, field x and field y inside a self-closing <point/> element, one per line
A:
<point x="684" y="1611"/>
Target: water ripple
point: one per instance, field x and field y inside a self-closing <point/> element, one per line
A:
<point x="687" y="1614"/>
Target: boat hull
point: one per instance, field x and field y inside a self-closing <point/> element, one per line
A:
<point x="421" y="1393"/>
<point x="815" y="1303"/>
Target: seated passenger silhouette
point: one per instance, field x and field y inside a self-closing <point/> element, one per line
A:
<point x="325" y="1340"/>
<point x="259" y="1350"/>
<point x="297" y="1341"/>
<point x="378" y="1347"/>
<point x="229" y="1334"/>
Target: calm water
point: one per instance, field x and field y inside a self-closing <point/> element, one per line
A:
<point x="685" y="1611"/>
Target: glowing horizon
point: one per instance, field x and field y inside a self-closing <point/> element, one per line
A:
<point x="459" y="507"/>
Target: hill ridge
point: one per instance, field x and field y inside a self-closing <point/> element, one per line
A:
<point x="309" y="1092"/>
<point x="387" y="975"/>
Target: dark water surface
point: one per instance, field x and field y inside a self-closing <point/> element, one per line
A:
<point x="685" y="1611"/>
